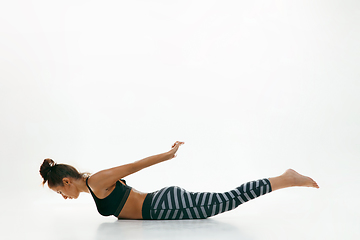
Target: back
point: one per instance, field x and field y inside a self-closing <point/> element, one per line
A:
<point x="114" y="202"/>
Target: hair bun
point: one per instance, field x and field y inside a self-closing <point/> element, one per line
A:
<point x="46" y="168"/>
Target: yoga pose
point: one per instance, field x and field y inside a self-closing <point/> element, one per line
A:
<point x="114" y="197"/>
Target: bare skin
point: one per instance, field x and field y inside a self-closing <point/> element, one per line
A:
<point x="103" y="183"/>
<point x="291" y="178"/>
<point x="71" y="188"/>
<point x="133" y="206"/>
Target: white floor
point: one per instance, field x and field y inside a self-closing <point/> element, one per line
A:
<point x="252" y="87"/>
<point x="298" y="213"/>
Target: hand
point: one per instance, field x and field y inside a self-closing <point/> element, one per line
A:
<point x="174" y="149"/>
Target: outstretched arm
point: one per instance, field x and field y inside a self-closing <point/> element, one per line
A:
<point x="108" y="177"/>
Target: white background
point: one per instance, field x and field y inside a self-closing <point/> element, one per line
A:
<point x="251" y="87"/>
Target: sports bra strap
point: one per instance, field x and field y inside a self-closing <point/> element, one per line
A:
<point x="87" y="184"/>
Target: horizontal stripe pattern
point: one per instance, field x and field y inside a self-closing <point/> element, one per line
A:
<point x="177" y="203"/>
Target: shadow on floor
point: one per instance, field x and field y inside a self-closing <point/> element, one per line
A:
<point x="176" y="229"/>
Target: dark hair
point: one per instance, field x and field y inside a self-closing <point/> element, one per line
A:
<point x="54" y="173"/>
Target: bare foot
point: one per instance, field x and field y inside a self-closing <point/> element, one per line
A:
<point x="296" y="179"/>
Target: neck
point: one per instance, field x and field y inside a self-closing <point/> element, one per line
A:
<point x="81" y="185"/>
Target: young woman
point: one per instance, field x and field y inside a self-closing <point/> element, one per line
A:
<point x="113" y="197"/>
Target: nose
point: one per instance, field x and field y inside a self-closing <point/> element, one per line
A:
<point x="65" y="197"/>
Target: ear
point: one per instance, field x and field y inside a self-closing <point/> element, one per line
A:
<point x="66" y="181"/>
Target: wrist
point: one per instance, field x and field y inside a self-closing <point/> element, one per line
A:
<point x="167" y="155"/>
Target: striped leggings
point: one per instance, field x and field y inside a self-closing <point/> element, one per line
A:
<point x="173" y="203"/>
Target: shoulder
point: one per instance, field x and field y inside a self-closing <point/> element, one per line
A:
<point x="99" y="189"/>
<point x="95" y="180"/>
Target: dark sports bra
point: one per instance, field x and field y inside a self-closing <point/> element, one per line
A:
<point x="114" y="202"/>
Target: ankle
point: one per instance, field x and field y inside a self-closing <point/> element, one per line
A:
<point x="288" y="179"/>
<point x="280" y="182"/>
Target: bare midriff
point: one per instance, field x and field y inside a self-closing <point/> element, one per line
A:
<point x="133" y="205"/>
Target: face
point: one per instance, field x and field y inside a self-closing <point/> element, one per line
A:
<point x="68" y="191"/>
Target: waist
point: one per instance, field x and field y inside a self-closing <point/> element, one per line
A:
<point x="133" y="206"/>
<point x="146" y="206"/>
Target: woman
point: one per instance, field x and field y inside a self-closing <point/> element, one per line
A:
<point x="113" y="197"/>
